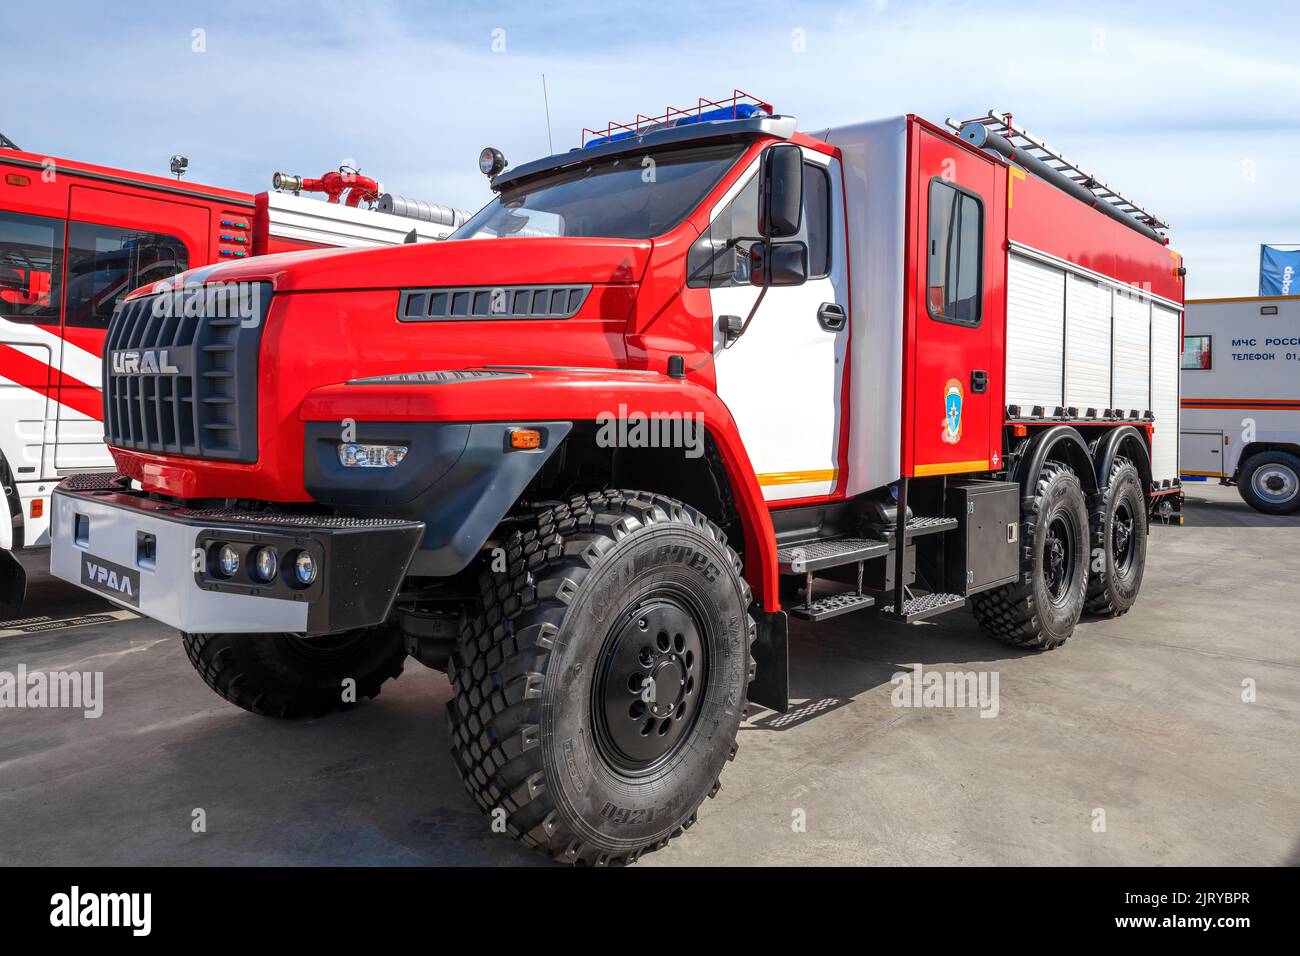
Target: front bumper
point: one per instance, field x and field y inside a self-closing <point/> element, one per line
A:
<point x="159" y="558"/>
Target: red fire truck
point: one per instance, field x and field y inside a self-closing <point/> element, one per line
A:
<point x="75" y="238"/>
<point x="699" y="376"/>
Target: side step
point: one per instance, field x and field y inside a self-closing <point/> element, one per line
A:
<point x="833" y="605"/>
<point x="927" y="605"/>
<point x="832" y="552"/>
<point x="917" y="526"/>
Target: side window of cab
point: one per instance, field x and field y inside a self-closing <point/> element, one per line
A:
<point x="720" y="257"/>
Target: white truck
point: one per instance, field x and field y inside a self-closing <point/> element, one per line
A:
<point x="1241" y="398"/>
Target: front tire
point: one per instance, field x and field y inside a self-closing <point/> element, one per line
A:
<point x="282" y="675"/>
<point x="1270" y="482"/>
<point x="1041" y="610"/>
<point x="1119" y="542"/>
<point x="598" y="696"/>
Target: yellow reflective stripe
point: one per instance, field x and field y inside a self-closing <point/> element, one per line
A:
<point x="797" y="477"/>
<point x="951" y="467"/>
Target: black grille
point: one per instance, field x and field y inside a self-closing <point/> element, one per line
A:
<point x="180" y="372"/>
<point x="486" y="302"/>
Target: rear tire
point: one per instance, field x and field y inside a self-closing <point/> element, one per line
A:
<point x="1270" y="482"/>
<point x="597" y="697"/>
<point x="1042" y="609"/>
<point x="1119" y="542"/>
<point x="282" y="675"/>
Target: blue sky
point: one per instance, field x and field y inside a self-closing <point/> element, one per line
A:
<point x="1192" y="108"/>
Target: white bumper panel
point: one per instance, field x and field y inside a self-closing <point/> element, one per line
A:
<point x="106" y="563"/>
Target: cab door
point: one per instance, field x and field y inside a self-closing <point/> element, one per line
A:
<point x="955" y="407"/>
<point x="783" y="380"/>
<point x="116" y="242"/>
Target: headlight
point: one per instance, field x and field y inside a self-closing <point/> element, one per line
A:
<point x="304" y="568"/>
<point x="265" y="563"/>
<point x="354" y="455"/>
<point x="227" y="561"/>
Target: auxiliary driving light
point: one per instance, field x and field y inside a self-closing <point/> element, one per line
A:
<point x="491" y="161"/>
<point x="353" y="455"/>
<point x="265" y="563"/>
<point x="227" y="561"/>
<point x="304" y="568"/>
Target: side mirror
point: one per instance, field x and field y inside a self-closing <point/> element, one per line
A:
<point x="778" y="263"/>
<point x="780" y="198"/>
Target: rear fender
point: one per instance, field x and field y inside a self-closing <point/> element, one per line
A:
<point x="1129" y="443"/>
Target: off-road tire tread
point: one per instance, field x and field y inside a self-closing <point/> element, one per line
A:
<point x="1009" y="613"/>
<point x="256" y="688"/>
<point x="499" y="667"/>
<point x="1099" y="599"/>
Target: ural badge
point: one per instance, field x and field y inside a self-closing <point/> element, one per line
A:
<point x="952" y="401"/>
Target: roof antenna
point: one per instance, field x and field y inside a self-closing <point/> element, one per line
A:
<point x="546" y="100"/>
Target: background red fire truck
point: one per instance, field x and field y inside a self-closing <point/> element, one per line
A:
<point x="75" y="238"/>
<point x="931" y="368"/>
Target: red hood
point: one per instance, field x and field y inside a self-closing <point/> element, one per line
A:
<point x="460" y="262"/>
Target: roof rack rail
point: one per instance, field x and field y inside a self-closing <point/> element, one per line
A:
<point x="1020" y="139"/>
<point x="739" y="104"/>
<point x="7" y="143"/>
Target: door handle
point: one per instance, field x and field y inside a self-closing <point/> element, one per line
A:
<point x="831" y="317"/>
<point x="979" y="382"/>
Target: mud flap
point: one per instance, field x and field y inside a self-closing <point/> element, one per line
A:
<point x="13" y="580"/>
<point x="770" y="687"/>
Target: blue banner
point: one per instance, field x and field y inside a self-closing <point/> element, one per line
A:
<point x="1279" y="271"/>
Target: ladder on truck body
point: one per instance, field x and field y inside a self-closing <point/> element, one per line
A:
<point x="1005" y="126"/>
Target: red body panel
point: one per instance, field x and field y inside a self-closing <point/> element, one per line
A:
<point x="941" y="356"/>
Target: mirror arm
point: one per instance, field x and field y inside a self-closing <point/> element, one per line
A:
<point x="767" y="282"/>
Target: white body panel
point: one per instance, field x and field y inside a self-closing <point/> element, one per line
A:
<point x="1076" y="339"/>
<point x="1131" y="364"/>
<point x="1253" y="382"/>
<point x="782" y="380"/>
<point x="1087" y="343"/>
<point x="304" y="219"/>
<point x="1166" y="346"/>
<point x="1035" y="333"/>
<point x="875" y="178"/>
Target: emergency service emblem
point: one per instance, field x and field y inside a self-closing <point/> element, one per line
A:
<point x="953" y="395"/>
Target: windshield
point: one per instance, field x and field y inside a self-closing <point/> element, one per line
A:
<point x="632" y="196"/>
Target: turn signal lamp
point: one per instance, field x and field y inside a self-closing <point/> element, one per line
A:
<point x="525" y="438"/>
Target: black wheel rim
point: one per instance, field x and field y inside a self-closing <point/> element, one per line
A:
<point x="1059" y="557"/>
<point x="1123" y="538"/>
<point x="650" y="684"/>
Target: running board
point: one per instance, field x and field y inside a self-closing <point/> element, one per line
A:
<point x="918" y="526"/>
<point x="833" y="605"/>
<point x="828" y="553"/>
<point x="927" y="605"/>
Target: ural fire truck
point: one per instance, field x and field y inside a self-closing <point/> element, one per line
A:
<point x="1241" y="398"/>
<point x="930" y="369"/>
<point x="75" y="238"/>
